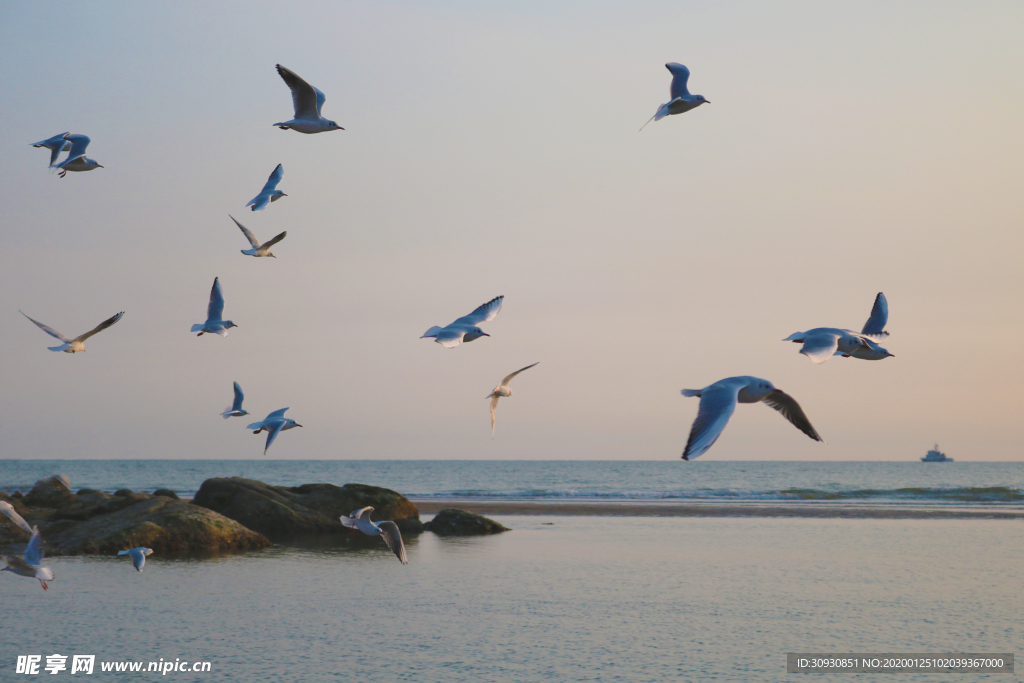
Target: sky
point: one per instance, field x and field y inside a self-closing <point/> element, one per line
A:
<point x="493" y="149"/>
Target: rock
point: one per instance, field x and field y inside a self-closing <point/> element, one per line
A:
<point x="286" y="514"/>
<point x="455" y="522"/>
<point x="123" y="492"/>
<point x="166" y="493"/>
<point x="96" y="522"/>
<point x="170" y="527"/>
<point x="49" y="492"/>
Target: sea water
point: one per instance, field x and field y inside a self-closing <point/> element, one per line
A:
<point x="556" y="599"/>
<point x="956" y="483"/>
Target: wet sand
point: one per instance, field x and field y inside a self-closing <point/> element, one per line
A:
<point x="717" y="509"/>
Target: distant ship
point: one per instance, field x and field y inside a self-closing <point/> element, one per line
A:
<point x="935" y="455"/>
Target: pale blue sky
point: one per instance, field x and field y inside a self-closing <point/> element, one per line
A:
<point x="492" y="148"/>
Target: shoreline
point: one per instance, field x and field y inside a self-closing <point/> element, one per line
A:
<point x="715" y="509"/>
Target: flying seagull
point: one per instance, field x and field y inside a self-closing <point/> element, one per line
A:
<point x="680" y="99"/>
<point x="75" y="161"/>
<point x="9" y="510"/>
<point x="57" y="144"/>
<point x="274" y="424"/>
<point x="257" y="248"/>
<point x="875" y="329"/>
<point x="307" y="101"/>
<point x="214" y="312"/>
<point x="718" y="400"/>
<point x="31" y="566"/>
<point x="360" y="521"/>
<point x="138" y="556"/>
<point x="821" y="343"/>
<point x="269" y="193"/>
<point x="78" y="343"/>
<point x="235" y="409"/>
<point x="466" y="329"/>
<point x="503" y="390"/>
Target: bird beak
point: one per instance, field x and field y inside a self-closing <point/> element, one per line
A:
<point x="100" y="166"/>
<point x="297" y="424"/>
<point x="707" y="101"/>
<point x="485" y="334"/>
<point x="892" y="355"/>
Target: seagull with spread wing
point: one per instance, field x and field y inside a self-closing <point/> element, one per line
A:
<point x="718" y="401"/>
<point x="214" y="312"/>
<point x="78" y="343"/>
<point x="138" y="556"/>
<point x="269" y="193"/>
<point x="273" y="424"/>
<point x="680" y="99"/>
<point x="466" y="328"/>
<point x="360" y="521"/>
<point x="503" y="390"/>
<point x="31" y="566"/>
<point x="75" y="161"/>
<point x="258" y="249"/>
<point x="308" y="101"/>
<point x="235" y="409"/>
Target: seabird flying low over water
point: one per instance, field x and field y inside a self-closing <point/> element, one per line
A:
<point x="680" y="99"/>
<point x="360" y="521"/>
<point x="257" y="248"/>
<point x="466" y="329"/>
<point x="718" y="401"/>
<point x="274" y="424"/>
<point x="75" y="161"/>
<point x="308" y="101"/>
<point x="269" y="193"/>
<point x="235" y="409"/>
<point x="138" y="556"/>
<point x="214" y="313"/>
<point x="9" y="510"/>
<point x="31" y="566"/>
<point x="57" y="144"/>
<point x="78" y="343"/>
<point x="503" y="390"/>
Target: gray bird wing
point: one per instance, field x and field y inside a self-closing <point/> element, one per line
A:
<point x="494" y="405"/>
<point x="820" y="346"/>
<point x="9" y="510"/>
<point x="450" y="336"/>
<point x="875" y="326"/>
<point x="247" y="232"/>
<point x="509" y="378"/>
<point x="482" y="313"/>
<point x="680" y="75"/>
<point x="99" y="328"/>
<point x="393" y="537"/>
<point x="78" y="145"/>
<point x="275" y="240"/>
<point x="273" y="180"/>
<point x="306" y="99"/>
<point x="138" y="556"/>
<point x="717" y="404"/>
<point x="791" y="410"/>
<point x="34" y="550"/>
<point x="216" y="308"/>
<point x="276" y="415"/>
<point x="239" y="397"/>
<point x="272" y="431"/>
<point x="48" y="330"/>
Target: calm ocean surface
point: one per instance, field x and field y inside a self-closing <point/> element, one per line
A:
<point x="957" y="483"/>
<point x="578" y="599"/>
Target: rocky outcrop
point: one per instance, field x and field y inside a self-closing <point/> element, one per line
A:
<point x="96" y="522"/>
<point x="455" y="522"/>
<point x="166" y="493"/>
<point x="286" y="514"/>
